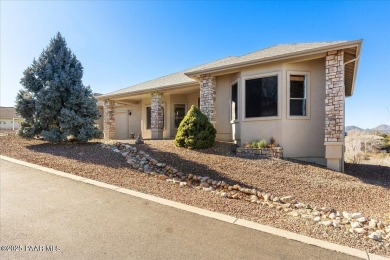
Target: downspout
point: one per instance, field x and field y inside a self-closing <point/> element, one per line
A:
<point x="345" y="63"/>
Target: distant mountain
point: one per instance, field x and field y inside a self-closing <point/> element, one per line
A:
<point x="352" y="127"/>
<point x="380" y="128"/>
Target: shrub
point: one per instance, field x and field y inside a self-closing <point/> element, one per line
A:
<point x="255" y="144"/>
<point x="262" y="144"/>
<point x="195" y="131"/>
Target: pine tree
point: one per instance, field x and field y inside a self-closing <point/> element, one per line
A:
<point x="54" y="102"/>
<point x="195" y="131"/>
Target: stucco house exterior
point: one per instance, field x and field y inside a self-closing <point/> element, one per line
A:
<point x="9" y="119"/>
<point x="292" y="92"/>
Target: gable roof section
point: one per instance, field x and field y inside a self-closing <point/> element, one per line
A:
<point x="278" y="52"/>
<point x="171" y="80"/>
<point x="8" y="113"/>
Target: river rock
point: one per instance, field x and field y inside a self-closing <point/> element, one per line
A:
<point x="253" y="198"/>
<point x="356" y="215"/>
<point x="356" y="225"/>
<point x="374" y="236"/>
<point x="372" y="223"/>
<point x="347" y="215"/>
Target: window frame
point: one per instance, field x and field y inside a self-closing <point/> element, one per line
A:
<point x="238" y="101"/>
<point x="307" y="93"/>
<point x="278" y="74"/>
<point x="173" y="112"/>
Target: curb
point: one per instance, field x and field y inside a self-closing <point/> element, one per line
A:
<point x="207" y="213"/>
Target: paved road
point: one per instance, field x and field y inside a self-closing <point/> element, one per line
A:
<point x="89" y="222"/>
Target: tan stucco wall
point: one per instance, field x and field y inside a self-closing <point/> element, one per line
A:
<point x="168" y="100"/>
<point x="125" y="123"/>
<point x="222" y="106"/>
<point x="303" y="138"/>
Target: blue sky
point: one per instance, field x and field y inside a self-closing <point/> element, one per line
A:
<point x="121" y="43"/>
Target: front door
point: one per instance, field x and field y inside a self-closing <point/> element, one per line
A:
<point x="179" y="112"/>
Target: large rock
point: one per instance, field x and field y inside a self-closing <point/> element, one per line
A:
<point x="347" y="215"/>
<point x="356" y="225"/>
<point x="374" y="236"/>
<point x="287" y="199"/>
<point x="253" y="198"/>
<point x="356" y="215"/>
<point x="372" y="223"/>
<point x="204" y="184"/>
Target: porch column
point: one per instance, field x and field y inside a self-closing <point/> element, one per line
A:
<point x="109" y="119"/>
<point x="157" y="116"/>
<point x="334" y="110"/>
<point x="207" y="96"/>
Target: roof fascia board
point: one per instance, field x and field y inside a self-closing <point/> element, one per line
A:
<point x="351" y="44"/>
<point x="358" y="50"/>
<point x="145" y="91"/>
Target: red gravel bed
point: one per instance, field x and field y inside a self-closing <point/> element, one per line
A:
<point x="364" y="188"/>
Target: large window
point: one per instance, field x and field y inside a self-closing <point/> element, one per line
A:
<point x="261" y="97"/>
<point x="234" y="102"/>
<point x="179" y="111"/>
<point x="149" y="118"/>
<point x="298" y="95"/>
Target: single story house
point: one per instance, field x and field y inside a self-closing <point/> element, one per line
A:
<point x="9" y="119"/>
<point x="292" y="92"/>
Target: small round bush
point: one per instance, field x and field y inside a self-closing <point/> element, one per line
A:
<point x="195" y="131"/>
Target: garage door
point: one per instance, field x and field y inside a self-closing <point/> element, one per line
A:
<point x="122" y="125"/>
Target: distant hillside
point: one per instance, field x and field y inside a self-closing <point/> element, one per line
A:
<point x="352" y="127"/>
<point x="380" y="128"/>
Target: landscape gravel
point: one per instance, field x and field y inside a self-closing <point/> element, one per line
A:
<point x="363" y="188"/>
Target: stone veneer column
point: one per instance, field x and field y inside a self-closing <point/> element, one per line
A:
<point x="334" y="110"/>
<point x="109" y="119"/>
<point x="157" y="117"/>
<point x="207" y="96"/>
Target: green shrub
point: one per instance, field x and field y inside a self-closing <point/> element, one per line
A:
<point x="262" y="144"/>
<point x="195" y="131"/>
<point x="254" y="144"/>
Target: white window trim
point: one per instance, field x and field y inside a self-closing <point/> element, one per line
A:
<point x="146" y="117"/>
<point x="232" y="121"/>
<point x="307" y="93"/>
<point x="243" y="103"/>
<point x="173" y="112"/>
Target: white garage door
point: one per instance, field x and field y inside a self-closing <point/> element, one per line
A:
<point x="122" y="125"/>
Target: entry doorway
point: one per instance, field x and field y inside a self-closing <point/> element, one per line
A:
<point x="179" y="112"/>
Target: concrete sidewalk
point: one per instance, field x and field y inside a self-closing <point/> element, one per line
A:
<point x="82" y="221"/>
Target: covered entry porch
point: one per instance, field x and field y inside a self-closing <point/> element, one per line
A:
<point x="154" y="114"/>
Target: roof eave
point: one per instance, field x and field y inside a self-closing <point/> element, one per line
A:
<point x="145" y="91"/>
<point x="358" y="50"/>
<point x="349" y="44"/>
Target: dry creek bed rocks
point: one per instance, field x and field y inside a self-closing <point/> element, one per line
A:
<point x="353" y="222"/>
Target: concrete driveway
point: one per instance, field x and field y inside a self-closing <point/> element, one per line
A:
<point x="51" y="217"/>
